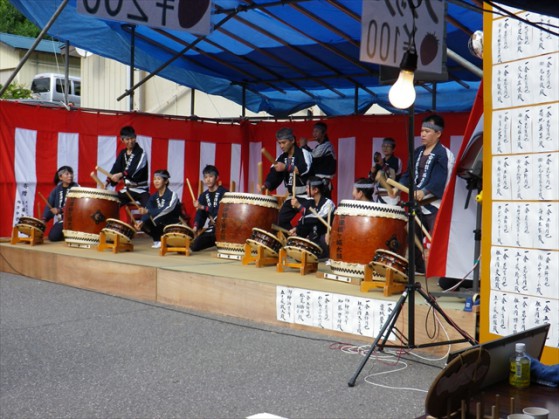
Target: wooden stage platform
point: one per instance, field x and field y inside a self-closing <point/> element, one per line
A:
<point x="206" y="283"/>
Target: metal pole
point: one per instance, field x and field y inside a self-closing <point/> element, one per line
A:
<point x="32" y="49"/>
<point x="67" y="72"/>
<point x="411" y="229"/>
<point x="132" y="61"/>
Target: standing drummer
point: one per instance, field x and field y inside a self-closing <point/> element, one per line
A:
<point x="163" y="208"/>
<point x="309" y="226"/>
<point x="64" y="180"/>
<point x="294" y="162"/>
<point x="131" y="166"/>
<point x="207" y="208"/>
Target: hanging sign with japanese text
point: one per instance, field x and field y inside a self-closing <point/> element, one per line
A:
<point x="387" y="27"/>
<point x="186" y="15"/>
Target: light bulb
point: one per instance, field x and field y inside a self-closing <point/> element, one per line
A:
<point x="402" y="93"/>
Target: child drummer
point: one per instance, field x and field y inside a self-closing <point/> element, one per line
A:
<point x="311" y="208"/>
<point x="207" y="207"/>
<point x="64" y="180"/>
<point x="163" y="208"/>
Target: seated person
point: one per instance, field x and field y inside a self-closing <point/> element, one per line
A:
<point x="207" y="208"/>
<point x="64" y="180"/>
<point x="363" y="190"/>
<point x="388" y="166"/>
<point x="294" y="162"/>
<point x="309" y="226"/>
<point x="163" y="208"/>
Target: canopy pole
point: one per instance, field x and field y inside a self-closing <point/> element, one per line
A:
<point x="464" y="63"/>
<point x="32" y="49"/>
<point x="244" y="99"/>
<point x="192" y="101"/>
<point x="434" y="97"/>
<point x="173" y="58"/>
<point x="132" y="62"/>
<point x="66" y="72"/>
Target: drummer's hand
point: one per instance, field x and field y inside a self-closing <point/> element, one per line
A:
<point x="419" y="195"/>
<point x="116" y="177"/>
<point x="295" y="203"/>
<point x="143" y="210"/>
<point x="138" y="225"/>
<point x="302" y="142"/>
<point x="279" y="166"/>
<point x="293" y="231"/>
<point x="55" y="211"/>
<point x="196" y="205"/>
<point x="295" y="170"/>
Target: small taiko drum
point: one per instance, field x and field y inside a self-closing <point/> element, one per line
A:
<point x="238" y="214"/>
<point x="385" y="259"/>
<point x="359" y="229"/>
<point x="26" y="225"/>
<point x="86" y="213"/>
<point x="296" y="247"/>
<point x="115" y="228"/>
<point x="268" y="241"/>
<point x="176" y="234"/>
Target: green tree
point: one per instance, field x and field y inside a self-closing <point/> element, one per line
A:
<point x="15" y="91"/>
<point x="14" y="22"/>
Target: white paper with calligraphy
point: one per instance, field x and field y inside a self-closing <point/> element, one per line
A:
<point x="343" y="313"/>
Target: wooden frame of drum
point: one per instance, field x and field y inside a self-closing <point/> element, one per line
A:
<point x="176" y="238"/>
<point x="117" y="235"/>
<point x="32" y="228"/>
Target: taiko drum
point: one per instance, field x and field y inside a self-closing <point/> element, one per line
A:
<point x="86" y="213"/>
<point x="359" y="229"/>
<point x="238" y="214"/>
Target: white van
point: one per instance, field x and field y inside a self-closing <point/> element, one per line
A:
<point x="50" y="87"/>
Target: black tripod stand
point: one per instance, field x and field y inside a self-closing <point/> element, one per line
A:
<point x="412" y="287"/>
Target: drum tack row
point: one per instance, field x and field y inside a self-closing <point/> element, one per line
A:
<point x="367" y="243"/>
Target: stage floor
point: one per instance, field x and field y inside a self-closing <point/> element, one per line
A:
<point x="204" y="282"/>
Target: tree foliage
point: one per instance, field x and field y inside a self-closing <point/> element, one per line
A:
<point x="15" y="91"/>
<point x="14" y="22"/>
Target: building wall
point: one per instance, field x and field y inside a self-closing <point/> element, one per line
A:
<point x="38" y="62"/>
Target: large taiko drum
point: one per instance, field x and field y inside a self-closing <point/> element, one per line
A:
<point x="359" y="229"/>
<point x="238" y="214"/>
<point x="85" y="214"/>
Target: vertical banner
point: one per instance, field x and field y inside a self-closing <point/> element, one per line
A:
<point x="25" y="171"/>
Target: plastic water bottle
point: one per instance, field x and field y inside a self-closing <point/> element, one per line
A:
<point x="519" y="367"/>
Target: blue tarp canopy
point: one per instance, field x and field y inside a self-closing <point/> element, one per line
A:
<point x="274" y="56"/>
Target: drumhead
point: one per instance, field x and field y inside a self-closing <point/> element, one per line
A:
<point x="268" y="201"/>
<point x="370" y="209"/>
<point x="81" y="192"/>
<point x="176" y="228"/>
<point x="31" y="222"/>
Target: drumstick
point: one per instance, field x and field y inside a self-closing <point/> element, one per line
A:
<point x="382" y="179"/>
<point x="417" y="242"/>
<point x="404" y="189"/>
<point x="130" y="215"/>
<point x="418" y="221"/>
<point x="233" y="186"/>
<point x="103" y="171"/>
<point x="191" y="191"/>
<point x="278" y="228"/>
<point x="97" y="180"/>
<point x="268" y="156"/>
<point x="132" y="200"/>
<point x="259" y="175"/>
<point x="328" y="227"/>
<point x="294" y="183"/>
<point x="44" y="199"/>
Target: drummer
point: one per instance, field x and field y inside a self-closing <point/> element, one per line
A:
<point x="363" y="190"/>
<point x="163" y="208"/>
<point x="309" y="226"/>
<point x="64" y="180"/>
<point x="389" y="166"/>
<point x="293" y="162"/>
<point x="131" y="166"/>
<point x="207" y="207"/>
